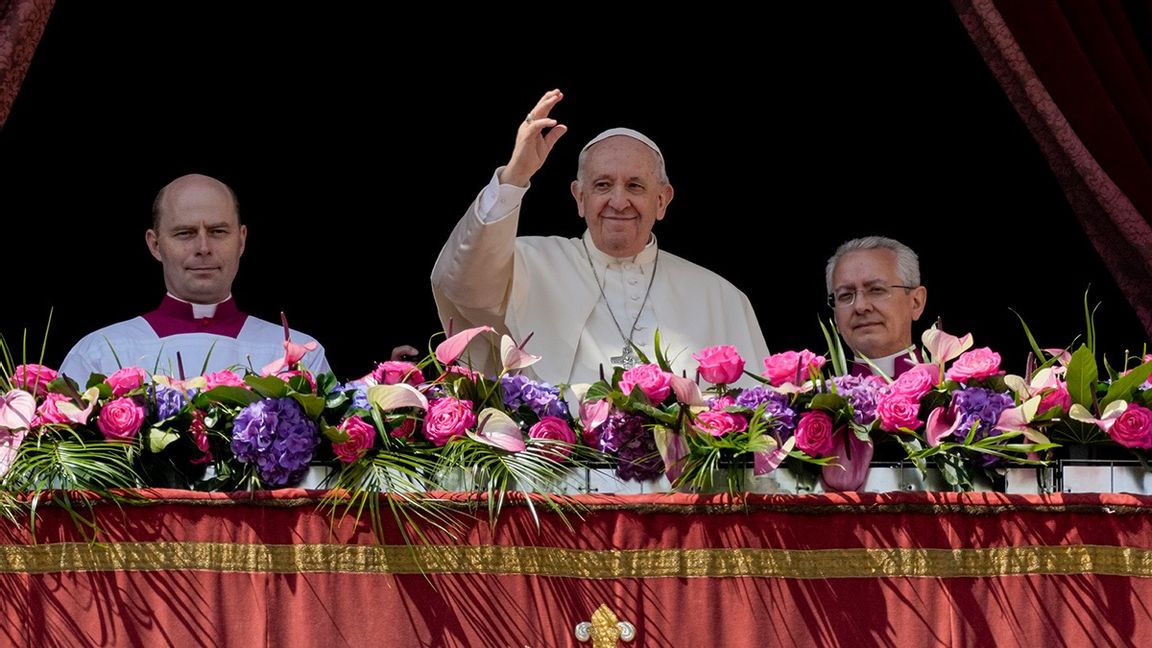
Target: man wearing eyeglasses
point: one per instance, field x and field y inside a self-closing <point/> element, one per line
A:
<point x="874" y="290"/>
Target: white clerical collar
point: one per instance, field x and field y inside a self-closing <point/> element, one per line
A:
<point x="646" y="256"/>
<point x="887" y="364"/>
<point x="200" y="311"/>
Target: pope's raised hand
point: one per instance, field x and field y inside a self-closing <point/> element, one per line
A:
<point x="532" y="144"/>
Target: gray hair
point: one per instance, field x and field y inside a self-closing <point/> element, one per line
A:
<point x="661" y="171"/>
<point x="907" y="263"/>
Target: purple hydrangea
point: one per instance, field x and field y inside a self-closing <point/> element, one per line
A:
<point x="775" y="406"/>
<point x="169" y="401"/>
<point x="358" y="392"/>
<point x="625" y="436"/>
<point x="861" y="392"/>
<point x="276" y="435"/>
<point x="977" y="405"/>
<point x="541" y="398"/>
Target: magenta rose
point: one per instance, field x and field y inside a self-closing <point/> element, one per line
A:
<point x="554" y="427"/>
<point x="896" y="411"/>
<point x="47" y="412"/>
<point x="720" y="365"/>
<point x="447" y="418"/>
<point x="652" y="380"/>
<point x="791" y="367"/>
<point x="223" y="378"/>
<point x="361" y="436"/>
<point x="120" y="420"/>
<point x="974" y="364"/>
<point x="718" y="423"/>
<point x="394" y="372"/>
<point x="32" y="378"/>
<point x="915" y="382"/>
<point x="1134" y="428"/>
<point x="125" y="380"/>
<point x="814" y="433"/>
<point x="1058" y="396"/>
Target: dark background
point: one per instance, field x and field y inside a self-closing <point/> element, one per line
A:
<point x="355" y="143"/>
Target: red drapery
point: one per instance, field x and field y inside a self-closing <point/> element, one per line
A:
<point x="1078" y="74"/>
<point x="21" y="25"/>
<point x="925" y="569"/>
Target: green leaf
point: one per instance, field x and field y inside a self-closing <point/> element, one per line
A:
<point x="267" y="386"/>
<point x="227" y="395"/>
<point x="313" y="405"/>
<point x="1081" y="377"/>
<point x="159" y="439"/>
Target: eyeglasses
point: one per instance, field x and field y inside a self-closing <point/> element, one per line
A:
<point x="846" y="298"/>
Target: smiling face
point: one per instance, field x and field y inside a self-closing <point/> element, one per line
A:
<point x="198" y="238"/>
<point x="621" y="194"/>
<point x="875" y="328"/>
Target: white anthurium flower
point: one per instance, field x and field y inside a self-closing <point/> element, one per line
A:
<point x="392" y="397"/>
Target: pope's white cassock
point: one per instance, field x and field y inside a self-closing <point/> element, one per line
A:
<point x="545" y="287"/>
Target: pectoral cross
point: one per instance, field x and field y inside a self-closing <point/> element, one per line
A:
<point x="626" y="359"/>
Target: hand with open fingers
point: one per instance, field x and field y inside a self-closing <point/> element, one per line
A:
<point x="533" y="144"/>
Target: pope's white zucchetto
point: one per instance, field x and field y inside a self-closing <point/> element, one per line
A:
<point x="625" y="132"/>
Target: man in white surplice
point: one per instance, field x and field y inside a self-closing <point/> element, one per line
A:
<point x="586" y="300"/>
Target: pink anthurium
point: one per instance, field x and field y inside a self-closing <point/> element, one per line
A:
<point x="515" y="357"/>
<point x="9" y="446"/>
<point x="17" y="408"/>
<point x="766" y="461"/>
<point x="672" y="450"/>
<point x="451" y="349"/>
<point x="687" y="391"/>
<point x="293" y="352"/>
<point x="74" y="413"/>
<point x="1111" y="414"/>
<point x="495" y="428"/>
<point x="393" y="397"/>
<point x="594" y="413"/>
<point x="943" y="347"/>
<point x="942" y="422"/>
<point x="853" y="457"/>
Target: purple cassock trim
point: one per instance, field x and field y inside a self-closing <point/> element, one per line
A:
<point x="900" y="365"/>
<point x="174" y="317"/>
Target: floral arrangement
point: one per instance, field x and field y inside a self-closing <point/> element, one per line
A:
<point x="413" y="428"/>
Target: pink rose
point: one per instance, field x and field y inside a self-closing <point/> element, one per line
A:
<point x="814" y="433"/>
<point x="720" y="365"/>
<point x="896" y="411"/>
<point x="32" y="378"/>
<point x="463" y="371"/>
<point x="1058" y="396"/>
<point x="721" y="402"/>
<point x="447" y="418"/>
<point x="1134" y="428"/>
<point x="915" y="382"/>
<point x="125" y="380"/>
<point x="718" y="423"/>
<point x="651" y="379"/>
<point x="361" y="436"/>
<point x="791" y="367"/>
<point x="395" y="371"/>
<point x="554" y="427"/>
<point x="223" y="378"/>
<point x="48" y="412"/>
<point x="120" y="420"/>
<point x="974" y="364"/>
